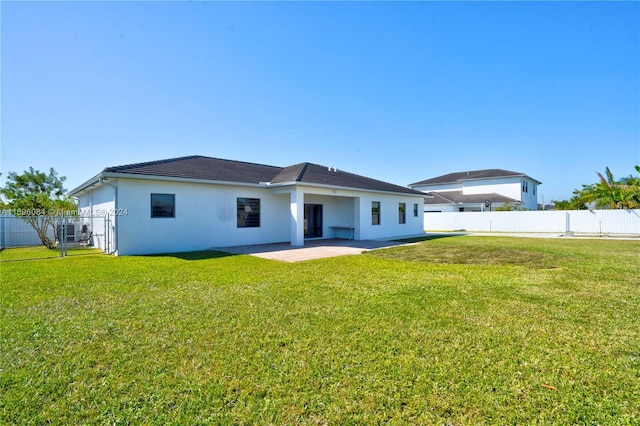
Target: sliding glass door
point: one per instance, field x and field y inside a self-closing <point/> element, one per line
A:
<point x="313" y="220"/>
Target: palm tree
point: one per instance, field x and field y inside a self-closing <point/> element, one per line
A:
<point x="609" y="193"/>
<point x="631" y="190"/>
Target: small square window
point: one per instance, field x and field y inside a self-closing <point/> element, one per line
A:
<point x="163" y="205"/>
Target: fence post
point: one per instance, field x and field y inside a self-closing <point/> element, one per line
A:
<point x="107" y="235"/>
<point x="2" y="238"/>
<point x="62" y="234"/>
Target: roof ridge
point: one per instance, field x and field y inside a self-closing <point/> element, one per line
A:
<point x="238" y="161"/>
<point x="148" y="163"/>
<point x="188" y="157"/>
<point x="505" y="171"/>
<point x="458" y="177"/>
<point x="485" y="170"/>
<point x="303" y="169"/>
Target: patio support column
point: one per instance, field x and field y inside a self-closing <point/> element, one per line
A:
<point x="297" y="217"/>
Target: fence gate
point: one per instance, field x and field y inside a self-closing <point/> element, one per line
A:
<point x="71" y="236"/>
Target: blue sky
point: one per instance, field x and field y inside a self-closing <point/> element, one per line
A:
<point x="397" y="91"/>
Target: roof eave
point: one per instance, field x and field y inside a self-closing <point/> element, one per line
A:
<point x="336" y="187"/>
<point x="463" y="179"/>
<point x="450" y="182"/>
<point x="114" y="175"/>
<point x="89" y="183"/>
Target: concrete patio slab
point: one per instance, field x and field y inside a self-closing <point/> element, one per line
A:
<point x="313" y="249"/>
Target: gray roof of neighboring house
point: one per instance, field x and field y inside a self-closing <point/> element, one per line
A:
<point x="207" y="168"/>
<point x="455" y="197"/>
<point x="471" y="175"/>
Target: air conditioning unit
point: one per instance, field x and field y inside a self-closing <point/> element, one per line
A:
<point x="73" y="232"/>
<point x="66" y="232"/>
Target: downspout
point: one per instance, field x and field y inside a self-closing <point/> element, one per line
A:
<point x="115" y="219"/>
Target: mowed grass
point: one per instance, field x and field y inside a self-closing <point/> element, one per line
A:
<point x="26" y="253"/>
<point x="464" y="330"/>
<point x="41" y="252"/>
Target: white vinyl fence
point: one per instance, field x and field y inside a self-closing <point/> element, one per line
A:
<point x="577" y="221"/>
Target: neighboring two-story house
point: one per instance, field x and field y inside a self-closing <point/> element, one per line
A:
<point x="478" y="190"/>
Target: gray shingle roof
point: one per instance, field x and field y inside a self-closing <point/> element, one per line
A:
<point x="207" y="168"/>
<point x="468" y="175"/>
<point x="317" y="174"/>
<point x="199" y="167"/>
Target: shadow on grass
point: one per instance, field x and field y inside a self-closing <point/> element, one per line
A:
<point x="429" y="237"/>
<point x="194" y="255"/>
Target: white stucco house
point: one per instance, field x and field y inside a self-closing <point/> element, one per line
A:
<point x="478" y="190"/>
<point x="196" y="203"/>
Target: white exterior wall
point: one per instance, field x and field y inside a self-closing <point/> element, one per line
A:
<point x="389" y="223"/>
<point x="579" y="221"/>
<point x="100" y="199"/>
<point x="336" y="211"/>
<point x="429" y="208"/>
<point x="469" y="207"/>
<point x="358" y="205"/>
<point x="509" y="187"/>
<point x="440" y="187"/>
<point x="205" y="217"/>
<point x="100" y="203"/>
<point x="206" y="214"/>
<point x="530" y="199"/>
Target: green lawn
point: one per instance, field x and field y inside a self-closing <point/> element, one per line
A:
<point x="462" y="330"/>
<point x="41" y="252"/>
<point x="26" y="253"/>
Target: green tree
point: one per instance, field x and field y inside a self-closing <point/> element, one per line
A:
<point x="574" y="203"/>
<point x="510" y="207"/>
<point x="612" y="193"/>
<point x="37" y="198"/>
<point x="631" y="189"/>
<point x="607" y="193"/>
